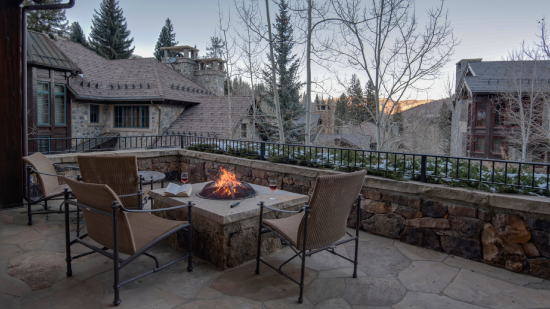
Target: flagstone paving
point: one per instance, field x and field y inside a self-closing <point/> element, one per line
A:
<point x="390" y="275"/>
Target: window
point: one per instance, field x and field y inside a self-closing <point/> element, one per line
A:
<point x="94" y="113"/>
<point x="131" y="117"/>
<point x="43" y="103"/>
<point x="243" y="130"/>
<point x="322" y="107"/>
<point x="498" y="144"/>
<point x="44" y="146"/>
<point x="60" y="104"/>
<point x="479" y="144"/>
<point x="481" y="114"/>
<point x="500" y="115"/>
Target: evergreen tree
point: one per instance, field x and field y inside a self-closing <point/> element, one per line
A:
<point x="370" y="101"/>
<point x="288" y="83"/>
<point x="341" y="112"/>
<point x="109" y="36"/>
<point x="444" y="124"/>
<point x="358" y="110"/>
<point x="167" y="38"/>
<point x="215" y="48"/>
<point x="50" y="22"/>
<point x="398" y="118"/>
<point x="77" y="35"/>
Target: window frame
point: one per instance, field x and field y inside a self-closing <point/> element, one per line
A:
<point x="98" y="113"/>
<point x="123" y="116"/>
<point x="503" y="117"/>
<point x="47" y="93"/>
<point x="39" y="146"/>
<point x="64" y="94"/>
<point x="475" y="143"/>
<point x="503" y="143"/>
<point x="477" y="119"/>
<point x="244" y="130"/>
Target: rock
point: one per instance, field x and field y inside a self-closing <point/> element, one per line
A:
<point x="538" y="224"/>
<point x="376" y="207"/>
<point x="540" y="268"/>
<point x="542" y="242"/>
<point x="302" y="182"/>
<point x="415" y="203"/>
<point x="398" y="199"/>
<point x="462" y="211"/>
<point x="429" y="223"/>
<point x="372" y="195"/>
<point x="408" y="212"/>
<point x="466" y="227"/>
<point x="352" y="217"/>
<point x="446" y="232"/>
<point x="421" y="237"/>
<point x="38" y="269"/>
<point x="514" y="266"/>
<point x="497" y="251"/>
<point x="434" y="209"/>
<point x="288" y="180"/>
<point x="530" y="250"/>
<point x="511" y="228"/>
<point x="469" y="248"/>
<point x="389" y="225"/>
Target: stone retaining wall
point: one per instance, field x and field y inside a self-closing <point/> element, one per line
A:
<point x="505" y="230"/>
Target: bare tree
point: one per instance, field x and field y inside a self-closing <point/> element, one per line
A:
<point x="393" y="49"/>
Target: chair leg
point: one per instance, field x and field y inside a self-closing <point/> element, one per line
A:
<point x="259" y="241"/>
<point x="301" y="298"/>
<point x="116" y="301"/>
<point x="357" y="223"/>
<point x="68" y="257"/>
<point x="190" y="242"/>
<point x="29" y="211"/>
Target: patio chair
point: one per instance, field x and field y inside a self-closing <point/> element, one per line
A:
<point x="319" y="226"/>
<point x="120" y="173"/>
<point x="121" y="230"/>
<point x="46" y="175"/>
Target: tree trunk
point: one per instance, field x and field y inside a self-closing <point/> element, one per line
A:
<point x="308" y="82"/>
<point x="274" y="79"/>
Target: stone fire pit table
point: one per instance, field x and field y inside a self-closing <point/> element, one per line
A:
<point x="224" y="236"/>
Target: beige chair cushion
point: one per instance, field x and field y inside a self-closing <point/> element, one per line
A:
<point x="287" y="227"/>
<point x="146" y="228"/>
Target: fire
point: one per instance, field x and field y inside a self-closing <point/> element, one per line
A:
<point x="227" y="183"/>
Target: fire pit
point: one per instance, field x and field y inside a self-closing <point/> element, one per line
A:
<point x="227" y="187"/>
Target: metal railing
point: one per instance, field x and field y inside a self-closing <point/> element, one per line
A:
<point x="487" y="174"/>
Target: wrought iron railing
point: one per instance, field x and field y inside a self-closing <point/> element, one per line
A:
<point x="486" y="174"/>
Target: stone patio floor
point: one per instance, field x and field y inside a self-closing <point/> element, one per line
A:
<point x="392" y="275"/>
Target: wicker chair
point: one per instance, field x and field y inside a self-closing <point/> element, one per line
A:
<point x="121" y="230"/>
<point x="45" y="172"/>
<point x="319" y="226"/>
<point x="120" y="173"/>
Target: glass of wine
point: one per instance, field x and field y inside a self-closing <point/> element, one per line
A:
<point x="273" y="186"/>
<point x="184" y="177"/>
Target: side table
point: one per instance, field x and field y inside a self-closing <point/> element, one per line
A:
<point x="150" y="177"/>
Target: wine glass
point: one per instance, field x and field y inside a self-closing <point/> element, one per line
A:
<point x="184" y="177"/>
<point x="273" y="186"/>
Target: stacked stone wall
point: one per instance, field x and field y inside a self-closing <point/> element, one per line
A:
<point x="505" y="230"/>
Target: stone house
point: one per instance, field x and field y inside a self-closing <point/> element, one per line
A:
<point x="480" y="86"/>
<point x="129" y="97"/>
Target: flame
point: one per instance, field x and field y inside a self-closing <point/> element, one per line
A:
<point x="227" y="184"/>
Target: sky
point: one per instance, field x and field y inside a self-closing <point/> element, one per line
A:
<point x="487" y="29"/>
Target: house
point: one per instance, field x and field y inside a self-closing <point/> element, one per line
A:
<point x="48" y="78"/>
<point x="128" y="97"/>
<point x="480" y="85"/>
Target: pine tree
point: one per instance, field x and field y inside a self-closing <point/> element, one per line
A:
<point x="370" y="101"/>
<point x="288" y="83"/>
<point x="215" y="48"/>
<point x="355" y="93"/>
<point x="398" y="118"/>
<point x="167" y="38"/>
<point x="109" y="36"/>
<point x="444" y="124"/>
<point x="50" y="22"/>
<point x="341" y="112"/>
<point x="77" y="35"/>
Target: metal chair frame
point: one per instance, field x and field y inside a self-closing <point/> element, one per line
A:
<point x="302" y="254"/>
<point x="54" y="197"/>
<point x="117" y="207"/>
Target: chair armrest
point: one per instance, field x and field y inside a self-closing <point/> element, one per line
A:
<point x="37" y="172"/>
<point x="133" y="194"/>
<point x="189" y="204"/>
<point x="286" y="211"/>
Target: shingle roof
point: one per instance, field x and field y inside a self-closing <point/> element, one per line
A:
<point x="351" y="140"/>
<point x="42" y="52"/>
<point x="140" y="79"/>
<point x="211" y="115"/>
<point x="502" y="76"/>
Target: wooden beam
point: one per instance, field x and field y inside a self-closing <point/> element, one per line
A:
<point x="11" y="166"/>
